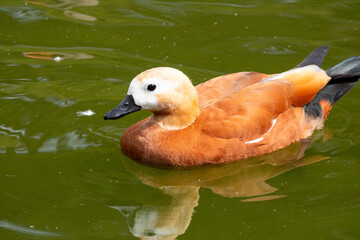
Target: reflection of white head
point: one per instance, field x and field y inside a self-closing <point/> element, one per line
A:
<point x="166" y="221"/>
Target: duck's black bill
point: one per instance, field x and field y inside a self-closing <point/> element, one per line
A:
<point x="126" y="107"/>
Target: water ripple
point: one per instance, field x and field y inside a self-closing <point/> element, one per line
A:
<point x="71" y="140"/>
<point x="30" y="230"/>
<point x="60" y="102"/>
<point x="186" y="7"/>
<point x="18" y="96"/>
<point x="23" y="14"/>
<point x="9" y="130"/>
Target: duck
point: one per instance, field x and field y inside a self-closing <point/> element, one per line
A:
<point x="230" y="117"/>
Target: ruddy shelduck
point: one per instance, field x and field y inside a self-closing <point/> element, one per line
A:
<point x="230" y="117"/>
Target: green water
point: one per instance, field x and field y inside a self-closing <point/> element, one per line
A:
<point x="62" y="174"/>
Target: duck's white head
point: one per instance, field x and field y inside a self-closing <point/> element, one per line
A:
<point x="167" y="92"/>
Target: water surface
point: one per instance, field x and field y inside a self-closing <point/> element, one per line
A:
<point x="62" y="173"/>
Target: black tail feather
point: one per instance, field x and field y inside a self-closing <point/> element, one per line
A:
<point x="316" y="57"/>
<point x="344" y="77"/>
<point x="348" y="66"/>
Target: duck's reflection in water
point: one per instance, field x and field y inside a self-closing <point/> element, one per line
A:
<point x="245" y="178"/>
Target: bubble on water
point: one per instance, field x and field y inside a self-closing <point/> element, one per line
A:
<point x="58" y="59"/>
<point x="88" y="112"/>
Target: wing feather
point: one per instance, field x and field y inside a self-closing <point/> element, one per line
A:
<point x="247" y="113"/>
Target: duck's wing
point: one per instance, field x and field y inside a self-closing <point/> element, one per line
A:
<point x="248" y="113"/>
<point x="226" y="85"/>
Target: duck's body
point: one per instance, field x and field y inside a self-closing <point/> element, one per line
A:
<point x="227" y="118"/>
<point x="236" y="115"/>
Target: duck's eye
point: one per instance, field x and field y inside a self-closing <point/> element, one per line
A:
<point x="151" y="87"/>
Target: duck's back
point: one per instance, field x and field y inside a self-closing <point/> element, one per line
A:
<point x="226" y="85"/>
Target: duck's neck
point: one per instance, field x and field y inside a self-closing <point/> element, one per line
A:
<point x="177" y="119"/>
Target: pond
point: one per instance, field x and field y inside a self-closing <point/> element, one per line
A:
<point x="65" y="63"/>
